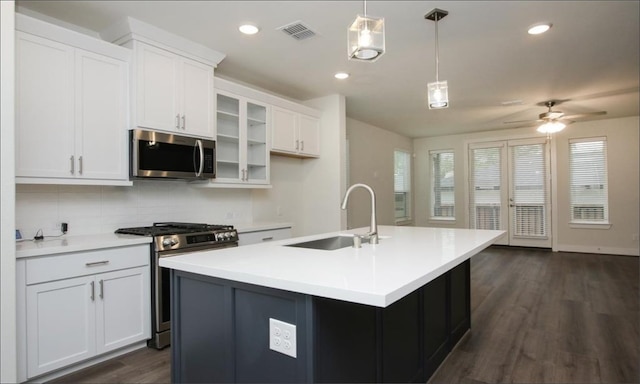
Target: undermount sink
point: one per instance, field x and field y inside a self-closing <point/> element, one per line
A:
<point x="327" y="244"/>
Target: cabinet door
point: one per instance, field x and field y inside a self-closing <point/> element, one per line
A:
<point x="284" y="130"/>
<point x="309" y="135"/>
<point x="44" y="108"/>
<point x="157" y="88"/>
<point x="197" y="98"/>
<point x="101" y="116"/>
<point x="60" y="324"/>
<point x="123" y="310"/>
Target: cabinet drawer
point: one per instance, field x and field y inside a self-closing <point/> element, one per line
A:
<point x="64" y="266"/>
<point x="263" y="236"/>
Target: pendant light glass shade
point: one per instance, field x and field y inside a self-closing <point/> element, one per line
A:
<point x="366" y="38"/>
<point x="551" y="127"/>
<point x="438" y="94"/>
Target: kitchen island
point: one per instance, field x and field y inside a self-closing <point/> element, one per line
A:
<point x="389" y="312"/>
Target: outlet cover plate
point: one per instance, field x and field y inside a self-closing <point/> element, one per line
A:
<point x="282" y="337"/>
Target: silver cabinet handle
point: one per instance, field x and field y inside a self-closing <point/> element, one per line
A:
<point x="93" y="291"/>
<point x="178" y="121"/>
<point x="102" y="289"/>
<point x="96" y="263"/>
<point x="244" y="175"/>
<point x="297" y="144"/>
<point x="302" y="145"/>
<point x="73" y="164"/>
<point x="267" y="238"/>
<point x="80" y="165"/>
<point x="184" y="122"/>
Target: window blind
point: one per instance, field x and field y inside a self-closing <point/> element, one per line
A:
<point x="589" y="197"/>
<point x="485" y="185"/>
<point x="443" y="186"/>
<point x="402" y="185"/>
<point x="529" y="190"/>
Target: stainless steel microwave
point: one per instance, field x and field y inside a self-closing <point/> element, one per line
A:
<point x="168" y="156"/>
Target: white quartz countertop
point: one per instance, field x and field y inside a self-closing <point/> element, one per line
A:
<point x="405" y="259"/>
<point x="65" y="244"/>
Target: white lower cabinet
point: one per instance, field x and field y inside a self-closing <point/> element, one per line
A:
<point x="74" y="313"/>
<point x="255" y="237"/>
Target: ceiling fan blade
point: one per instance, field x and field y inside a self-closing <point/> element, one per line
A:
<point x="523" y="121"/>
<point x="581" y="115"/>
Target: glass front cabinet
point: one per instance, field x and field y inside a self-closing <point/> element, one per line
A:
<point x="241" y="141"/>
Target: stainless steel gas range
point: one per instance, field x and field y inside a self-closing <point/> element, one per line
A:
<point x="172" y="239"/>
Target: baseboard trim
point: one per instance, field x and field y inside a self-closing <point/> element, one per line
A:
<point x="595" y="249"/>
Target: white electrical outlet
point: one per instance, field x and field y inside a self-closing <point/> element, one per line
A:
<point x="282" y="337"/>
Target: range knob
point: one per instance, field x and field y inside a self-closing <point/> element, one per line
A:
<point x="169" y="242"/>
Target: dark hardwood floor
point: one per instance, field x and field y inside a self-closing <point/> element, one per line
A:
<point x="537" y="317"/>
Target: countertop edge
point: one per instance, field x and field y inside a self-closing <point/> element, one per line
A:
<point x="77" y="243"/>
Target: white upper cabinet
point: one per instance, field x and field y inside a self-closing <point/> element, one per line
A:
<point x="173" y="93"/>
<point x="294" y="134"/>
<point x="242" y="146"/>
<point x="71" y="107"/>
<point x="173" y="79"/>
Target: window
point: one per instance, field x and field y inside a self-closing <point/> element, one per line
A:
<point x="589" y="200"/>
<point x="402" y="185"/>
<point x="442" y="182"/>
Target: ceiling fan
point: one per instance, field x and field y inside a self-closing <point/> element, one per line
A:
<point x="554" y="121"/>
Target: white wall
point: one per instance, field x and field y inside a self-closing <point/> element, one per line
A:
<point x="371" y="161"/>
<point x="308" y="192"/>
<point x="8" y="373"/>
<point x="103" y="209"/>
<point x="623" y="171"/>
<point x="622" y="135"/>
<point x="325" y="180"/>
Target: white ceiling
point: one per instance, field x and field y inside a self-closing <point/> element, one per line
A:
<point x="590" y="57"/>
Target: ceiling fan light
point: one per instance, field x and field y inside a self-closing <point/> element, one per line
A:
<point x="537" y="29"/>
<point x="551" y="127"/>
<point x="365" y="38"/>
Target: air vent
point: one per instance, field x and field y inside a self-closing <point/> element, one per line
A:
<point x="298" y="31"/>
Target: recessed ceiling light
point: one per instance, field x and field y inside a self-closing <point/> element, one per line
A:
<point x="539" y="28"/>
<point x="341" y="75"/>
<point x="248" y="29"/>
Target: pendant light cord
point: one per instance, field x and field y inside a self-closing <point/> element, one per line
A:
<point x="437" y="59"/>
<point x="365" y="8"/>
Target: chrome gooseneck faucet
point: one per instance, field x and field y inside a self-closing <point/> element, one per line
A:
<point x="372" y="235"/>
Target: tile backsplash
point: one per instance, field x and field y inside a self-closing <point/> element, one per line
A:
<point x="103" y="209"/>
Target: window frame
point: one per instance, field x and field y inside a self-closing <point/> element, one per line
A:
<point x="431" y="202"/>
<point x="408" y="193"/>
<point x="589" y="223"/>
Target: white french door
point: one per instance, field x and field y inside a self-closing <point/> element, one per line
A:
<point x="509" y="189"/>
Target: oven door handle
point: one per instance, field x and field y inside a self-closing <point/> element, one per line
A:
<point x="200" y="148"/>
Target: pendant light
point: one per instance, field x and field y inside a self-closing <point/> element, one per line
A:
<point x="438" y="91"/>
<point x="365" y="37"/>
